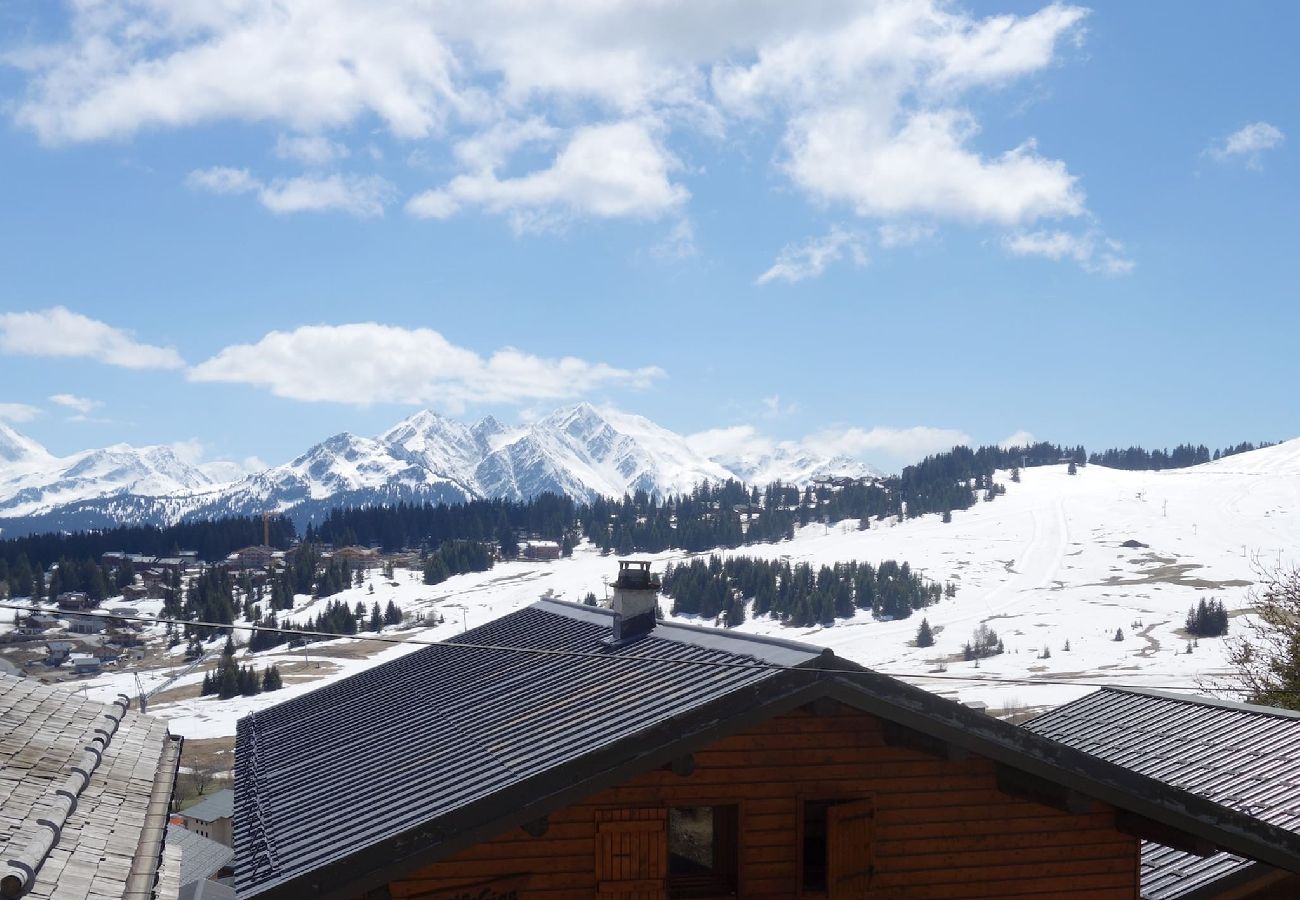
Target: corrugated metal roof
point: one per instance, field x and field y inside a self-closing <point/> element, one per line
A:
<point x="200" y="857"/>
<point x="217" y="805"/>
<point x="377" y="743"/>
<point x="1244" y="757"/>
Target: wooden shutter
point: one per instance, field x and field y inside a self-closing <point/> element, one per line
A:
<point x="848" y="850"/>
<point x="632" y="854"/>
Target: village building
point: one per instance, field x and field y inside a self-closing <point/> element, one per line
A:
<point x="204" y="864"/>
<point x="258" y="557"/>
<point x="540" y="549"/>
<point x="1243" y="756"/>
<point x="84" y="788"/>
<point x="84" y="663"/>
<point x="56" y="652"/>
<point x="87" y="623"/>
<point x="565" y="751"/>
<point x="75" y="600"/>
<point x="211" y="817"/>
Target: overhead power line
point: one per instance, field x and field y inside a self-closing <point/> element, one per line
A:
<point x="622" y="658"/>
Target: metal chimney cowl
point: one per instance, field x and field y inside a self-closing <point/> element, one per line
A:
<point x="636" y="601"/>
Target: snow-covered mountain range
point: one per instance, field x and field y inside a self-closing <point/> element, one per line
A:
<point x="580" y="451"/>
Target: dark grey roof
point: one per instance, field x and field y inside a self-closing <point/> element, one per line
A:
<point x="489" y="719"/>
<point x="1244" y="757"/>
<point x="200" y="857"/>
<point x="217" y="805"/>
<point x="450" y="745"/>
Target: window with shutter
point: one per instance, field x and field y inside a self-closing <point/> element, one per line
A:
<point x="632" y="854"/>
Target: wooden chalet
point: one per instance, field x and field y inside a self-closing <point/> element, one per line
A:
<point x="565" y="751"/>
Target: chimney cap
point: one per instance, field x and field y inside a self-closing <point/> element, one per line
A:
<point x="635" y="575"/>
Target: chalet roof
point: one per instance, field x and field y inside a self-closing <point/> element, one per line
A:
<point x="455" y="743"/>
<point x="217" y="805"/>
<point x="200" y="857"/>
<point x="1242" y="756"/>
<point x="84" y="788"/>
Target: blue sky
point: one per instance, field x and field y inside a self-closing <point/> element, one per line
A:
<point x="247" y="226"/>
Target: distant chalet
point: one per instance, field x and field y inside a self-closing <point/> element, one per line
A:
<point x="565" y="751"/>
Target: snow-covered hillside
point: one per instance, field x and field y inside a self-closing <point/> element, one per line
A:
<point x="580" y="451"/>
<point x="1044" y="565"/>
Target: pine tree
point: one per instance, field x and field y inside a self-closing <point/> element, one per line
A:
<point x="1119" y="634"/>
<point x="376" y="618"/>
<point x="924" y="636"/>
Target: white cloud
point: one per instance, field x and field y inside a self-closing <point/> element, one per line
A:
<point x="773" y="407"/>
<point x="309" y="149"/>
<point x="223" y="180"/>
<point x="906" y="443"/>
<point x="363" y="196"/>
<point x="60" y="332"/>
<point x="871" y="98"/>
<point x="1018" y="439"/>
<point x="312" y="64"/>
<point x="1248" y="144"/>
<point x="731" y="443"/>
<point x="368" y="363"/>
<point x="902" y="444"/>
<point x="903" y="234"/>
<point x="83" y="405"/>
<point x="604" y="171"/>
<point x="18" y="412"/>
<point x="679" y="243"/>
<point x="809" y="259"/>
<point x="1094" y="252"/>
<point x="194" y="452"/>
<point x="926" y="168"/>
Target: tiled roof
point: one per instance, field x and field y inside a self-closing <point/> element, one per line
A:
<point x="84" y="789"/>
<point x="1244" y="757"/>
<point x="217" y="805"/>
<point x="200" y="857"/>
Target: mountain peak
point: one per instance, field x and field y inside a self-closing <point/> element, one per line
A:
<point x="17" y="448"/>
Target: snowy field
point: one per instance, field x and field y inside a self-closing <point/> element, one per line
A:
<point x="1042" y="565"/>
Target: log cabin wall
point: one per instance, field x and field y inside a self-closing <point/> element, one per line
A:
<point x="939" y="829"/>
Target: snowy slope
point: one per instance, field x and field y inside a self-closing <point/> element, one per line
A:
<point x="1042" y="565"/>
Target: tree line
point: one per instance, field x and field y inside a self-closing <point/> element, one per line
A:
<point x="1181" y="457"/>
<point x="212" y="539"/>
<point x="797" y="595"/>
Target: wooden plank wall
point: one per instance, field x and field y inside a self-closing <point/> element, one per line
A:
<point x="942" y="828"/>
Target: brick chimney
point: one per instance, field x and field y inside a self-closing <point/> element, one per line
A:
<point x="636" y="600"/>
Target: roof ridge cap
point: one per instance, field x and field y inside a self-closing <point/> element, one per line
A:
<point x="1218" y="702"/>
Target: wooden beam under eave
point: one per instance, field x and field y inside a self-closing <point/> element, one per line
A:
<point x="901" y="736"/>
<point x="1040" y="790"/>
<point x="1160" y="833"/>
